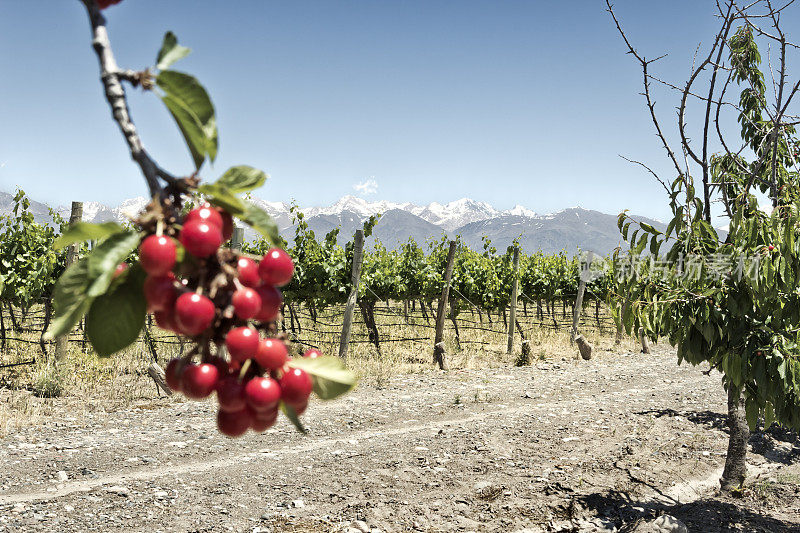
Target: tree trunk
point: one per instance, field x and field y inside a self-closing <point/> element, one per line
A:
<point x="735" y="462"/>
<point x="13" y="318"/>
<point x="524" y="358"/>
<point x="367" y="313"/>
<point x="48" y="313"/>
<point x="2" y="329"/>
<point x="453" y="313"/>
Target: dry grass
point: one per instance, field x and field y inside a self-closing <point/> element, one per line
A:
<point x="83" y="382"/>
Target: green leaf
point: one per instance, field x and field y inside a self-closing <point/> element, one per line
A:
<point x="221" y="196"/>
<point x="769" y="415"/>
<point x="116" y="318"/>
<point x="259" y="220"/>
<point x="291" y="414"/>
<point x="85" y="231"/>
<point x="331" y="378"/>
<point x="647" y="227"/>
<point x="70" y="301"/>
<point x="242" y="178"/>
<point x="103" y="261"/>
<point x="170" y="51"/>
<point x="751" y="412"/>
<point x="191" y="129"/>
<point x="193" y="111"/>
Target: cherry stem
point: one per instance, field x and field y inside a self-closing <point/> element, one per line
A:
<point x="245" y="368"/>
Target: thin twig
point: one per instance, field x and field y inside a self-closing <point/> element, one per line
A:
<point x="110" y="75"/>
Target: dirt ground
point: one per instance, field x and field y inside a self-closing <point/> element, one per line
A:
<point x="604" y="445"/>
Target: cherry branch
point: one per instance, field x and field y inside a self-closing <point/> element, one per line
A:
<point x="111" y="76"/>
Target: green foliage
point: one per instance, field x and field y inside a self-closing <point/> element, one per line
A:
<point x="85" y="231"/>
<point x="29" y="261"/>
<point x="170" y="51"/>
<point x="242" y="178"/>
<point x="331" y="378"/>
<point x="188" y="102"/>
<point x="116" y="318"/>
<point x="743" y="320"/>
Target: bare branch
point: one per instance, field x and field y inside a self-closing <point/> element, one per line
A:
<point x="650" y="104"/>
<point x="723" y="40"/>
<point x="649" y="170"/>
<point x="110" y="75"/>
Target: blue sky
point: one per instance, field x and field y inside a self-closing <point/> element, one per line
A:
<point x="507" y="102"/>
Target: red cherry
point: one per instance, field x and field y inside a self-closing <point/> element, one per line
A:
<point x="313" y="353"/>
<point x="160" y="293"/>
<point x="276" y="268"/>
<point x="230" y="394"/>
<point x="166" y="319"/>
<point x="246" y="303"/>
<point x="173" y="373"/>
<point x="300" y="408"/>
<point x="102" y="4"/>
<point x="193" y="313"/>
<point x="262" y="394"/>
<point x="263" y="420"/>
<point x="121" y="268"/>
<point x="227" y="224"/>
<point x="242" y="343"/>
<point x="271" y="301"/>
<point x="296" y="386"/>
<point x="200" y="239"/>
<point x="248" y="272"/>
<point x="157" y="255"/>
<point x="199" y="381"/>
<point x="206" y="214"/>
<point x="271" y="354"/>
<point x="771" y="247"/>
<point x="234" y="424"/>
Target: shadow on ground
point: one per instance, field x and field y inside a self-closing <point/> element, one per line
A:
<point x="776" y="444"/>
<point x="707" y="515"/>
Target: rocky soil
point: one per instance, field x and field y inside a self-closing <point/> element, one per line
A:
<point x="605" y="445"/>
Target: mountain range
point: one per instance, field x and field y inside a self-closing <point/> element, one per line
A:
<point x="570" y="229"/>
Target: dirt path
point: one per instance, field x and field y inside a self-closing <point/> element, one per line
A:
<point x="557" y="447"/>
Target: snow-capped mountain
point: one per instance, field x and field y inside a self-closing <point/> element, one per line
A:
<point x="568" y="229"/>
<point x="453" y="215"/>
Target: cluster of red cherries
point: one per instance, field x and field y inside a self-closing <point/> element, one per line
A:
<point x="213" y="299"/>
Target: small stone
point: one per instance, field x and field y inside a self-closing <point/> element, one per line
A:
<point x="119" y="491"/>
<point x="62" y="476"/>
<point x="298" y="504"/>
<point x="663" y="524"/>
<point x="487" y="490"/>
<point x="360" y="526"/>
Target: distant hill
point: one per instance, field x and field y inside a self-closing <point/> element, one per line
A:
<point x="569" y="229"/>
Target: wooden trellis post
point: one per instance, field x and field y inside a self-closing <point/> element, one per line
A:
<point x="438" y="341"/>
<point x="512" y="313"/>
<point x="76" y="214"/>
<point x="237" y="238"/>
<point x="347" y="323"/>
